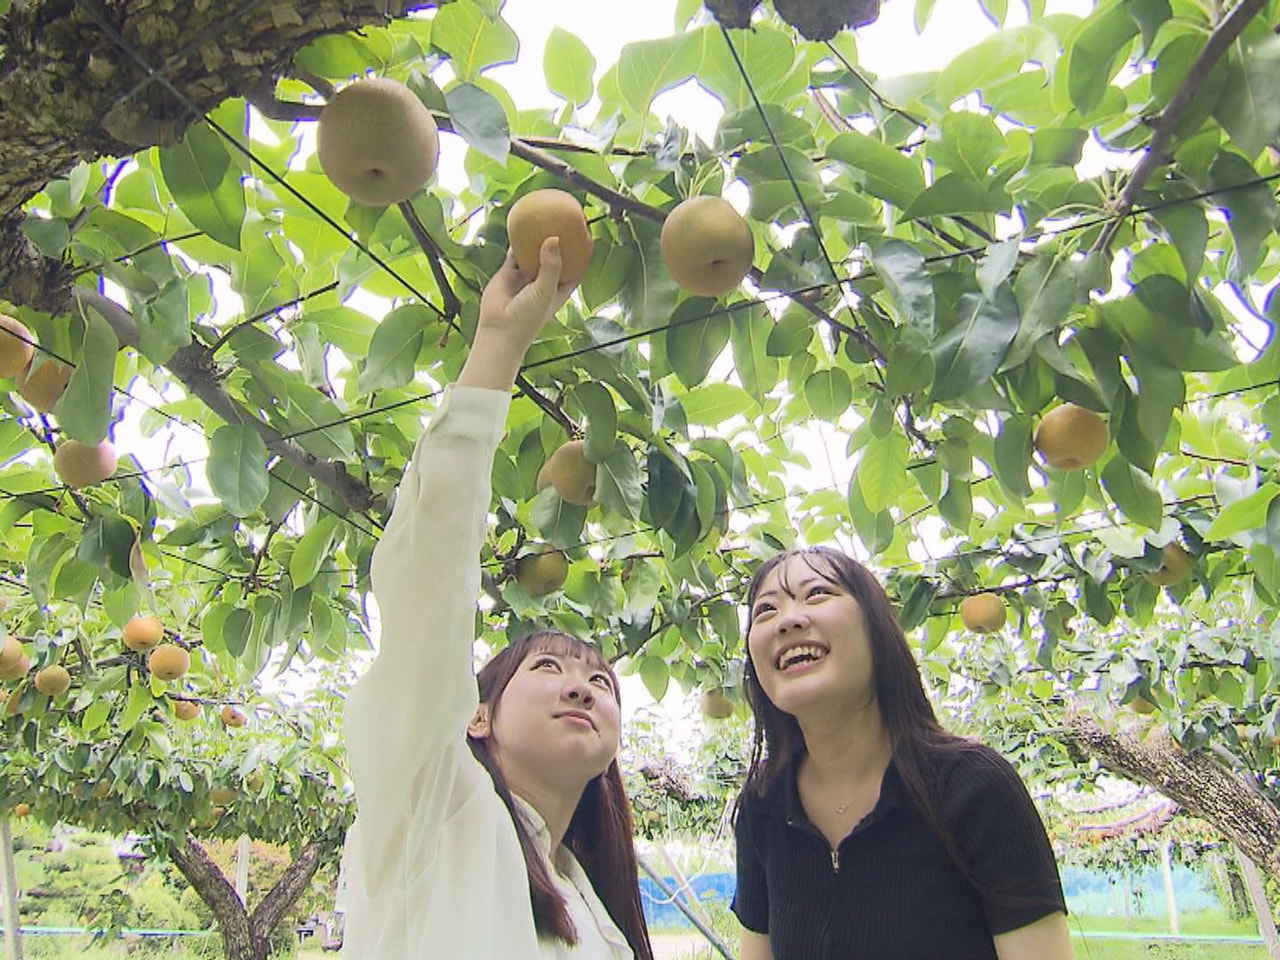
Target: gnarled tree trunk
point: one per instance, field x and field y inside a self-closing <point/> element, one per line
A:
<point x="1196" y="780"/>
<point x="245" y="935"/>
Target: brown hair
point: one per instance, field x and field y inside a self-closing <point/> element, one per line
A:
<point x="915" y="735"/>
<point x="600" y="832"/>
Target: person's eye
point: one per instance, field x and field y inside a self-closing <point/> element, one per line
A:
<point x="820" y="589"/>
<point x="546" y="661"/>
<point x="603" y="680"/>
<point x="761" y="610"/>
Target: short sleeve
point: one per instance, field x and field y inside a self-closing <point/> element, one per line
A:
<point x="1003" y="842"/>
<point x="751" y="897"/>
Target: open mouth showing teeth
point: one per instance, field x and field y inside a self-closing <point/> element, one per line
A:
<point x="798" y="656"/>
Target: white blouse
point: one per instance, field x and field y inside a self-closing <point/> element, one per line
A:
<point x="433" y="865"/>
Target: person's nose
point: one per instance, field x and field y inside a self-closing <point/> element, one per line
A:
<point x="578" y="693"/>
<point x="791" y="617"/>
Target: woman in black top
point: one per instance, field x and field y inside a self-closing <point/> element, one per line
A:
<point x="865" y="830"/>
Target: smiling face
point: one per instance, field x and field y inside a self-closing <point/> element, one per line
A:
<point x="558" y="718"/>
<point x="808" y="639"/>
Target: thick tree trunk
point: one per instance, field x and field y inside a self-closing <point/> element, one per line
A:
<point x="1261" y="906"/>
<point x="1198" y="782"/>
<point x="245" y="936"/>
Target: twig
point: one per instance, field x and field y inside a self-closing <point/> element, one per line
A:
<point x="258" y="318"/>
<point x="452" y="305"/>
<point x="1166" y="123"/>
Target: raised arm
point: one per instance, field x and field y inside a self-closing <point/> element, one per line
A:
<point x="407" y="716"/>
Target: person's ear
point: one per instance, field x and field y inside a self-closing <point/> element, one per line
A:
<point x="480" y="726"/>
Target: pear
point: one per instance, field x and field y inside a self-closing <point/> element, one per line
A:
<point x="1071" y="437"/>
<point x="1174" y="569"/>
<point x="80" y="464"/>
<point x="983" y="612"/>
<point x="143" y="633"/>
<point x="169" y="661"/>
<point x="707" y="246"/>
<point x="550" y="213"/>
<point x="571" y="473"/>
<point x="16" y="351"/>
<point x="53" y="681"/>
<point x="542" y="571"/>
<point x="715" y="705"/>
<point x="42" y="385"/>
<point x="377" y="142"/>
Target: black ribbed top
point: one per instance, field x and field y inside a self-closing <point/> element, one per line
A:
<point x="891" y="892"/>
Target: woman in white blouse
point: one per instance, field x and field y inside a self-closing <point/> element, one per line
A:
<point x="492" y="823"/>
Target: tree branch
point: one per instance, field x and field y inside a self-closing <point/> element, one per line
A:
<point x="452" y="305"/>
<point x="1193" y="779"/>
<point x="194" y="863"/>
<point x="190" y="365"/>
<point x="1165" y="125"/>
<point x="285" y="892"/>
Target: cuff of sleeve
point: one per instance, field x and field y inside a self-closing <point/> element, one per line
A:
<point x="471" y="412"/>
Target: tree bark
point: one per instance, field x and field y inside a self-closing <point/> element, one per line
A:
<point x="245" y="936"/>
<point x="1261" y="906"/>
<point x="12" y="922"/>
<point x="1200" y="784"/>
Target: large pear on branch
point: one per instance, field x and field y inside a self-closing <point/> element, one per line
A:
<point x="42" y="385"/>
<point x="983" y="612"/>
<point x="571" y="473"/>
<point x="81" y="464"/>
<point x="377" y="142"/>
<point x="1072" y="438"/>
<point x="550" y="213"/>
<point x="16" y="350"/>
<point x="707" y="246"/>
<point x="543" y="571"/>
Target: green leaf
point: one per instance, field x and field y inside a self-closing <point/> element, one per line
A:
<point x="757" y="370"/>
<point x="106" y="542"/>
<point x="1249" y="108"/>
<point x="774" y="184"/>
<point x="237" y="468"/>
<point x="611" y="265"/>
<point x="656" y="676"/>
<point x="1133" y="492"/>
<point x="557" y="521"/>
<point x="312" y="550"/>
<point x="205" y="184"/>
<point x="471" y="40"/>
<point x="884" y="172"/>
<point x="967" y="143"/>
<point x="1013" y="455"/>
<point x="1047" y="289"/>
<point x="236" y="630"/>
<point x="769" y="58"/>
<point x="312" y="418"/>
<point x="569" y="67"/>
<point x="139" y="702"/>
<point x="828" y="393"/>
<point x="618" y="482"/>
<point x="906" y="278"/>
<point x="393" y="351"/>
<point x="997" y="265"/>
<point x="84" y="409"/>
<point x="648" y="67"/>
<point x="881" y="471"/>
<point x="1248" y="513"/>
<point x="602" y="419"/>
<point x="1252" y="211"/>
<point x="910" y="368"/>
<point x="480" y="120"/>
<point x="695" y="339"/>
<point x="713" y="403"/>
<point x="970" y="352"/>
<point x="1094" y="55"/>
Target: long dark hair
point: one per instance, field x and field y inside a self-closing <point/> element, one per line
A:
<point x="601" y="829"/>
<point x="915" y="735"/>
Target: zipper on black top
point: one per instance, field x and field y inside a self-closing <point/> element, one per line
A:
<point x="807" y="827"/>
<point x="835" y="860"/>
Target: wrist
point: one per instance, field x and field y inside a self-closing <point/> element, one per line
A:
<point x="494" y="360"/>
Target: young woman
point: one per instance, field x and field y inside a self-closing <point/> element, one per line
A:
<point x="492" y="822"/>
<point x="864" y="828"/>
